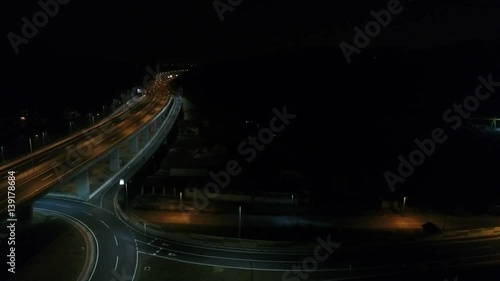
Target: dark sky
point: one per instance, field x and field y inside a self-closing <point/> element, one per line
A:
<point x="90" y="38"/>
<point x="148" y="30"/>
<point x="96" y="47"/>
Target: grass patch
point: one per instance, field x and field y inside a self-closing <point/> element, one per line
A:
<point x="49" y="249"/>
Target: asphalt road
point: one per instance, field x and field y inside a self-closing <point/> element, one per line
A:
<point x="120" y="245"/>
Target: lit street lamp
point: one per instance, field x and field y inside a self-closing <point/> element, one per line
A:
<point x="31" y="153"/>
<point x="404" y="203"/>
<point x="239" y="223"/>
<point x="122" y="182"/>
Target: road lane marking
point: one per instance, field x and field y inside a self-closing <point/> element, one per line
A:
<point x="113" y="138"/>
<point x="60" y="205"/>
<point x="40" y="160"/>
<point x="226" y="258"/>
<point x="116" y="264"/>
<point x="116" y="240"/>
<point x="88" y="228"/>
<point x="105" y="224"/>
<point x="87" y="213"/>
<point x="47" y="177"/>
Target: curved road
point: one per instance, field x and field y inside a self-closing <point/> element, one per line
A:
<point x="120" y="245"/>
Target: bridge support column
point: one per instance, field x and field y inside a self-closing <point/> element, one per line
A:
<point x="25" y="213"/>
<point x="153" y="126"/>
<point x="82" y="185"/>
<point x="114" y="160"/>
<point x="134" y="144"/>
<point x="145" y="134"/>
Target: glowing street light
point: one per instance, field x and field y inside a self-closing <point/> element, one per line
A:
<point x="122" y="182"/>
<point x="239" y="223"/>
<point x="404" y="203"/>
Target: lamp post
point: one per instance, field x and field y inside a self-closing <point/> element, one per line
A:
<point x="31" y="153"/>
<point x="122" y="182"/>
<point x="31" y="146"/>
<point x="43" y="138"/>
<point x="239" y="222"/>
<point x="1" y="148"/>
<point x="404" y="203"/>
<point x="180" y="197"/>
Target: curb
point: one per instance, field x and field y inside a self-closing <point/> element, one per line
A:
<point x="86" y="273"/>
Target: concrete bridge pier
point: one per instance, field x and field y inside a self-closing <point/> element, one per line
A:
<point x="153" y="126"/>
<point x="82" y="185"/>
<point x="134" y="144"/>
<point x="114" y="160"/>
<point x="145" y="134"/>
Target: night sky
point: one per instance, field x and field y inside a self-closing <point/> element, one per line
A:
<point x="148" y="30"/>
<point x="427" y="58"/>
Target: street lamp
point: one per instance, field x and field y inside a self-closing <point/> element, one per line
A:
<point x="31" y="153"/>
<point x="122" y="182"/>
<point x="180" y="197"/>
<point x="404" y="203"/>
<point x="1" y="148"/>
<point x="31" y="146"/>
<point x="239" y="223"/>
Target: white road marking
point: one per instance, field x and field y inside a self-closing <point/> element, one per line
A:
<point x="62" y="205"/>
<point x="116" y="264"/>
<point x="116" y="240"/>
<point x="40" y="160"/>
<point x="87" y="213"/>
<point x="105" y="224"/>
<point x="113" y="138"/>
<point x="48" y="176"/>
<point x="93" y="235"/>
